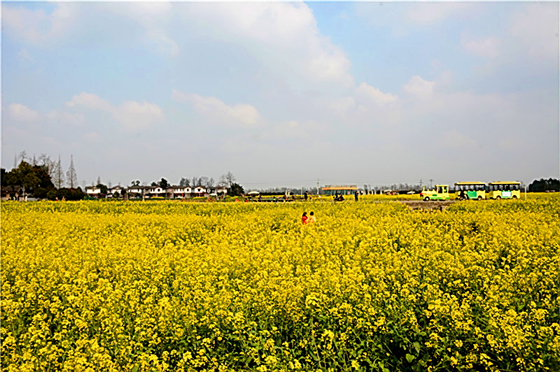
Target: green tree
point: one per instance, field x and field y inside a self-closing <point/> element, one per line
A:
<point x="103" y="188"/>
<point x="25" y="176"/>
<point x="543" y="185"/>
<point x="235" y="190"/>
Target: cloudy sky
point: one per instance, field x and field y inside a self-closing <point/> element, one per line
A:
<point x="284" y="94"/>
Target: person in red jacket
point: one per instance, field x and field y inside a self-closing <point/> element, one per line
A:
<point x="304" y="218"/>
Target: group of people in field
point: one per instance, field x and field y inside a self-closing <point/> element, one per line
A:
<point x="340" y="197"/>
<point x="308" y="220"/>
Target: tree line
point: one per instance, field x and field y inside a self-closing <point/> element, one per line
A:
<point x="544" y="185"/>
<point x="43" y="178"/>
<point x="227" y="180"/>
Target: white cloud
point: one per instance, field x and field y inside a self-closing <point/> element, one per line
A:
<point x="429" y="13"/>
<point x="66" y="118"/>
<point x="419" y="87"/>
<point x="286" y="36"/>
<point x="131" y="115"/>
<point x="179" y="96"/>
<point x="43" y="29"/>
<point x="138" y="116"/>
<point x="152" y="17"/>
<point x="535" y="29"/>
<point x="239" y="115"/>
<point x="161" y="43"/>
<point x="22" y="113"/>
<point x="484" y="47"/>
<point x="36" y="26"/>
<point x="342" y="105"/>
<point x="369" y="94"/>
<point x="90" y="101"/>
<point x="365" y="99"/>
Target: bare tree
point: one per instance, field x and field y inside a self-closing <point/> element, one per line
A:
<point x="203" y="181"/>
<point x="210" y="183"/>
<point x="47" y="164"/>
<point x="227" y="179"/>
<point x="195" y="182"/>
<point x="71" y="175"/>
<point x="58" y="178"/>
<point x="185" y="182"/>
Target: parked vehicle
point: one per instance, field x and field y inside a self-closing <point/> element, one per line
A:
<point x="504" y="190"/>
<point x="470" y="190"/>
<point x="440" y="192"/>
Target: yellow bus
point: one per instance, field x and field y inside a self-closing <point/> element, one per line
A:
<point x="440" y="192"/>
<point x="504" y="190"/>
<point x="470" y="190"/>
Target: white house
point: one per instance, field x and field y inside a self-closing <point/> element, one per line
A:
<point x="179" y="192"/>
<point x="93" y="191"/>
<point x="156" y="191"/>
<point x="220" y="190"/>
<point x="199" y="191"/>
<point x="117" y="189"/>
<point x="135" y="191"/>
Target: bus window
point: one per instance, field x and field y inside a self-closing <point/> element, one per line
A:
<point x="439" y="191"/>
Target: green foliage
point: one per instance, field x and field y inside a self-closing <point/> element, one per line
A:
<point x="32" y="178"/>
<point x="543" y="185"/>
<point x="103" y="188"/>
<point x="235" y="190"/>
<point x="66" y="193"/>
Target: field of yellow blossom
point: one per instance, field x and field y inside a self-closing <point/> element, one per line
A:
<point x="371" y="286"/>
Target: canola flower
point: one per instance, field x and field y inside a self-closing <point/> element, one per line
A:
<point x="171" y="286"/>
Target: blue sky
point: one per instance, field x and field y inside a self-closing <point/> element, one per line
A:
<point x="283" y="94"/>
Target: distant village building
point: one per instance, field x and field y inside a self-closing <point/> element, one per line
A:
<point x="340" y="189"/>
<point x="221" y="191"/>
<point x="115" y="190"/>
<point x="200" y="191"/>
<point x="93" y="191"/>
<point x="179" y="192"/>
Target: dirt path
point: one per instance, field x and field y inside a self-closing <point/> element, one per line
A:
<point x="428" y="205"/>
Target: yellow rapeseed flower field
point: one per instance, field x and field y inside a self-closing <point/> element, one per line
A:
<point x="372" y="285"/>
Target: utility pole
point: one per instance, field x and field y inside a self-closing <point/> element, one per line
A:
<point x="317" y="186"/>
<point x="431" y="181"/>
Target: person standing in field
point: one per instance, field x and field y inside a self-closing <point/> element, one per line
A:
<point x="304" y="218"/>
<point x="312" y="218"/>
<point x="356" y="195"/>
